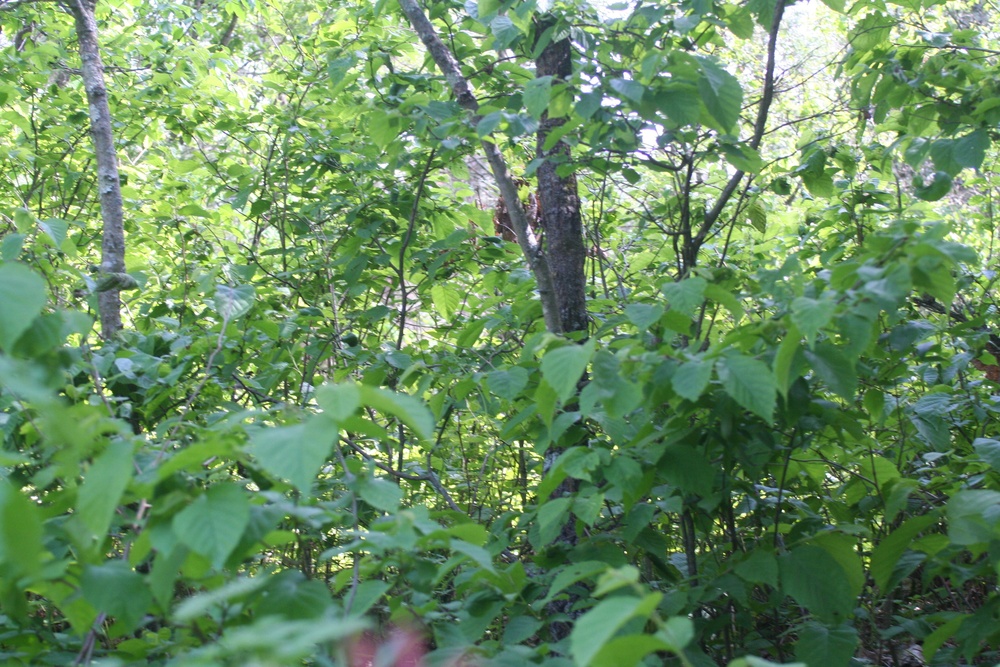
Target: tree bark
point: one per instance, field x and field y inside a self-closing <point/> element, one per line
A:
<point x="559" y="201"/>
<point x="108" y="184"/>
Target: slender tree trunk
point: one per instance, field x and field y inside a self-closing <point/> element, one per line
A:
<point x="108" y="185"/>
<point x="559" y="202"/>
<point x="559" y="215"/>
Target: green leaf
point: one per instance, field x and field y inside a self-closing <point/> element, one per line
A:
<point x="685" y="296"/>
<point x="750" y="383"/>
<point x="339" y="401"/>
<point x="569" y="575"/>
<point x="290" y="595"/>
<point x="505" y="32"/>
<point x="213" y="524"/>
<point x="551" y="516"/>
<point x="116" y="589"/>
<point x="22" y="293"/>
<point x="643" y="315"/>
<point x="759" y="567"/>
<point x="939" y="186"/>
<point x="974" y="517"/>
<point x="488" y="7"/>
<point x="988" y="450"/>
<point x="380" y="494"/>
<point x="408" y="409"/>
<point x="446" y="300"/>
<point x="834" y="369"/>
<point x="743" y="157"/>
<point x="677" y="633"/>
<point x="827" y="646"/>
<point x="628" y="651"/>
<point x="628" y="89"/>
<point x="20" y="534"/>
<point x="102" y="489"/>
<point x="817" y="581"/>
<point x="970" y="150"/>
<point x="753" y="661"/>
<point x="595" y="628"/>
<point x="892" y="547"/>
<point x="721" y="93"/>
<point x="563" y="367"/>
<point x="294" y="453"/>
<point x="811" y="315"/>
<point x="536" y="95"/>
<point x="692" y="378"/>
<point x="55" y="229"/>
<point x="232" y="302"/>
<point x="757" y="215"/>
<point x="508" y="383"/>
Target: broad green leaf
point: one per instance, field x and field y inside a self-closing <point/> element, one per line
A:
<point x="194" y="210"/>
<point x="446" y="300"/>
<point x="368" y="593"/>
<point x="974" y="517"/>
<point x="563" y="367"/>
<point x="939" y="186"/>
<point x="817" y="582"/>
<point x="232" y="302"/>
<point x="628" y="651"/>
<point x="677" y="633"/>
<point x="536" y="95"/>
<point x="103" y="485"/>
<point x="339" y="401"/>
<point x="614" y="579"/>
<point x="750" y="383"/>
<point x="970" y="150"/>
<point x="824" y="645"/>
<point x="55" y="229"/>
<point x="117" y="590"/>
<point x="757" y="215"/>
<point x="691" y="378"/>
<point x="508" y="383"/>
<point x="213" y="524"/>
<point x="571" y="574"/>
<point x="504" y="31"/>
<point x="20" y="533"/>
<point x="294" y="453"/>
<point x="643" y="315"/>
<point x="811" y="315"/>
<point x="743" y="157"/>
<point x="22" y="293"/>
<point x="488" y="7"/>
<point x="380" y="494"/>
<point x="628" y="89"/>
<point x="408" y="409"/>
<point x="721" y="93"/>
<point x="834" y="369"/>
<point x="889" y="550"/>
<point x="200" y="604"/>
<point x="551" y="516"/>
<point x="291" y="595"/>
<point x="988" y="450"/>
<point x="685" y="296"/>
<point x="596" y="628"/>
<point x="759" y="567"/>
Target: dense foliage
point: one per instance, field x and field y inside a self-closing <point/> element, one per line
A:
<point x="337" y="425"/>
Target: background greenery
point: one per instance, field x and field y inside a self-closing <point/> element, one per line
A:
<point x="329" y="406"/>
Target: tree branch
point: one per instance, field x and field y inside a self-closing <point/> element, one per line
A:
<point x="767" y="96"/>
<point x="460" y="87"/>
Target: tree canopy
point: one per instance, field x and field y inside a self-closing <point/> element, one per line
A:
<point x="499" y="332"/>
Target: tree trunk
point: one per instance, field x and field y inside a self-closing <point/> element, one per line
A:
<point x="108" y="186"/>
<point x="559" y="216"/>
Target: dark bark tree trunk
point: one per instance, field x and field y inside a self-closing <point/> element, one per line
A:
<point x="559" y="202"/>
<point x="559" y="217"/>
<point x="108" y="185"/>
